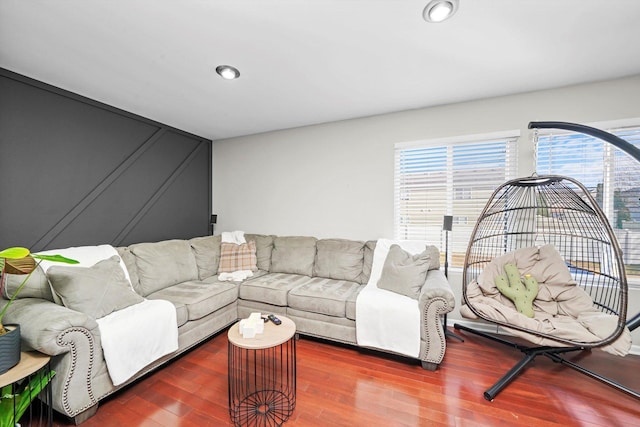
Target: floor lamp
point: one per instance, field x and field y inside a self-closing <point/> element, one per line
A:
<point x="447" y="225"/>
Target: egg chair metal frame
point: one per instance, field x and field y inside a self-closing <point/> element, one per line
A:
<point x="559" y="211"/>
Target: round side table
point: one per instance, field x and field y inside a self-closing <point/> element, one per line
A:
<point x="33" y="366"/>
<point x="262" y="375"/>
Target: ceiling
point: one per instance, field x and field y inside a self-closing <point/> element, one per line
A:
<point x="310" y="61"/>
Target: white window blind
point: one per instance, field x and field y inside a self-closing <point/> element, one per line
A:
<point x="611" y="176"/>
<point x="453" y="178"/>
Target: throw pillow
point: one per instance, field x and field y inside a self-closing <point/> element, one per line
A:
<point x="96" y="291"/>
<point x="434" y="254"/>
<point x="37" y="285"/>
<point x="85" y="255"/>
<point x="404" y="273"/>
<point x="235" y="257"/>
<point x="207" y="252"/>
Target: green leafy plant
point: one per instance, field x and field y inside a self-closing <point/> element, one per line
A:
<point x="18" y="399"/>
<point x="18" y="260"/>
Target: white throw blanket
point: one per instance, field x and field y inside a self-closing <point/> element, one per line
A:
<point x="236" y="237"/>
<point x="385" y="319"/>
<point x="136" y="336"/>
<point x="236" y="276"/>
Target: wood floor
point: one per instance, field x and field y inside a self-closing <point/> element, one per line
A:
<point x="342" y="386"/>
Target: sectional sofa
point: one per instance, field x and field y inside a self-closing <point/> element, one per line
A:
<point x="315" y="282"/>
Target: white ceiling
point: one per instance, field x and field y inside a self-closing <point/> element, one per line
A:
<point x="310" y="61"/>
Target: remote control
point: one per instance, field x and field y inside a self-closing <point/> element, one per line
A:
<point x="274" y="319"/>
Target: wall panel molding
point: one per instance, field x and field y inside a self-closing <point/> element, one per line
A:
<point x="200" y="150"/>
<point x="78" y="172"/>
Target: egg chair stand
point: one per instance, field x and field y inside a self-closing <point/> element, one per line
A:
<point x="530" y="353"/>
<point x="550" y="228"/>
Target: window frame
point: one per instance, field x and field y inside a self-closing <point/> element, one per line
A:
<point x="609" y="154"/>
<point x="460" y="240"/>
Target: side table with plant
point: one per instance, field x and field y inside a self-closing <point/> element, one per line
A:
<point x="17" y="261"/>
<point x="15" y="401"/>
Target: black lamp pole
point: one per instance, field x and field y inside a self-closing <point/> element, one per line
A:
<point x="447" y="226"/>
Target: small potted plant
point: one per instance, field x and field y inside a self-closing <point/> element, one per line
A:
<point x="20" y="261"/>
<point x="15" y="400"/>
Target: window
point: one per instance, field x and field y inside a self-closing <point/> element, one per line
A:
<point x="460" y="220"/>
<point x="452" y="177"/>
<point x="462" y="193"/>
<point x="611" y="176"/>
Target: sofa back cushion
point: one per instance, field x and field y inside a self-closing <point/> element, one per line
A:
<point x="206" y="249"/>
<point x="163" y="264"/>
<point x="264" y="248"/>
<point x="293" y="254"/>
<point x="130" y="263"/>
<point x="369" y="248"/>
<point x="339" y="259"/>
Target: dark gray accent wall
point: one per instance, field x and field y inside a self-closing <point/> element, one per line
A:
<point x="77" y="172"/>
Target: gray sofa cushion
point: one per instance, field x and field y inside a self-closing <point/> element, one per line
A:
<point x="96" y="291"/>
<point x="271" y="288"/>
<point x="404" y="273"/>
<point x="200" y="298"/>
<point x="37" y="285"/>
<point x="369" y="248"/>
<point x="182" y="314"/>
<point x="163" y="264"/>
<point x="207" y="252"/>
<point x="293" y="254"/>
<point x="264" y="247"/>
<point x="130" y="262"/>
<point x="322" y="295"/>
<point x="350" y="308"/>
<point x="339" y="259"/>
<point x="434" y="254"/>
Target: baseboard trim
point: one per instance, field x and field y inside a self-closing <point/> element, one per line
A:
<point x="494" y="329"/>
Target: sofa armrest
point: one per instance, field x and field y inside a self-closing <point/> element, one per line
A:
<point x="436" y="299"/>
<point x="42" y="322"/>
<point x="436" y="285"/>
<point x="72" y="339"/>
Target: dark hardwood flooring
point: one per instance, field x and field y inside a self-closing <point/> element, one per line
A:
<point x="343" y="386"/>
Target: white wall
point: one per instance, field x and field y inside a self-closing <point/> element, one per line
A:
<point x="336" y="179"/>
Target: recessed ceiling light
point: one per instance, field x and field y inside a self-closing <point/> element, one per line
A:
<point x="439" y="10"/>
<point x="227" y="72"/>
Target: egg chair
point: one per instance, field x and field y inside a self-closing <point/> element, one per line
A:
<point x="543" y="263"/>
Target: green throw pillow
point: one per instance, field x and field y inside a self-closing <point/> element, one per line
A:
<point x="522" y="291"/>
<point x="96" y="291"/>
<point x="404" y="273"/>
